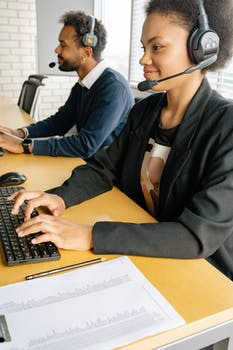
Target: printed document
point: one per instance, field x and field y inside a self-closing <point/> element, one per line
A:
<point x="99" y="307"/>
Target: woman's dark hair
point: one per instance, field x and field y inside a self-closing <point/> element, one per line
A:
<point x="80" y="21"/>
<point x="185" y="13"/>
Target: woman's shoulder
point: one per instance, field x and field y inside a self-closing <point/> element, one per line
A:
<point x="218" y="116"/>
<point x="219" y="100"/>
<point x="220" y="107"/>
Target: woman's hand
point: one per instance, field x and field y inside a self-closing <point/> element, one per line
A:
<point x="35" y="199"/>
<point x="62" y="232"/>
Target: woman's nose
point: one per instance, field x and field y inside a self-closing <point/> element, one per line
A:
<point x="145" y="59"/>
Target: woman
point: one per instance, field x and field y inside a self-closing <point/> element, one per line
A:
<point x="174" y="157"/>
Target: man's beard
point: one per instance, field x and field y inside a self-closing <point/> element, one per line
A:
<point x="67" y="67"/>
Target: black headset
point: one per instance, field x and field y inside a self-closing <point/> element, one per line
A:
<point x="203" y="48"/>
<point x="90" y="39"/>
<point x="203" y="42"/>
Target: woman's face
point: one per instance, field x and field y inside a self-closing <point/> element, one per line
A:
<point x="165" y="51"/>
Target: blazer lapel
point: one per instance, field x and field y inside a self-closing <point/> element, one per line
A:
<point x="181" y="148"/>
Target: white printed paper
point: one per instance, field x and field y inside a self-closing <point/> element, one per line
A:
<point x="98" y="307"/>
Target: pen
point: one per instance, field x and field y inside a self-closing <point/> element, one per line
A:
<point x="13" y="136"/>
<point x="65" y="268"/>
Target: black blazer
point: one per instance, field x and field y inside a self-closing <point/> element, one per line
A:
<point x="196" y="189"/>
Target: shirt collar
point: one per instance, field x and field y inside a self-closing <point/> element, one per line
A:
<point x="93" y="75"/>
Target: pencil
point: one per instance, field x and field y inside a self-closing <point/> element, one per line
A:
<point x="64" y="268"/>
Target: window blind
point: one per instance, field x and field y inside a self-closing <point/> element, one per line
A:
<point x="222" y="81"/>
<point x="137" y="19"/>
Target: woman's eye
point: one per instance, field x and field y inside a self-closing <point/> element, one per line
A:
<point x="156" y="47"/>
<point x="143" y="48"/>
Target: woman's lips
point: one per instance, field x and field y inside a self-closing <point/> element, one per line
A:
<point x="149" y="75"/>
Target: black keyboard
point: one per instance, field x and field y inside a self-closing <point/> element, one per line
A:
<point x="19" y="250"/>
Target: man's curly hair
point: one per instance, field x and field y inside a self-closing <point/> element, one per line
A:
<point x="80" y="21"/>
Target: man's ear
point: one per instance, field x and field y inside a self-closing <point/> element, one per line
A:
<point x="88" y="52"/>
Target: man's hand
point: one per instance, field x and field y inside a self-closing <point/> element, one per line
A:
<point x="10" y="144"/>
<point x="35" y="199"/>
<point x="15" y="132"/>
<point x="62" y="232"/>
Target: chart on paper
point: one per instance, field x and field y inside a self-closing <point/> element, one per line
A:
<point x="102" y="306"/>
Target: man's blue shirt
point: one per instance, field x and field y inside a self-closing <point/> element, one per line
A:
<point x="98" y="113"/>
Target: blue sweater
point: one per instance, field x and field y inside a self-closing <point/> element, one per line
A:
<point x="99" y="115"/>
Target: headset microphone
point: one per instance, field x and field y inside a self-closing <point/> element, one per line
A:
<point x="52" y="64"/>
<point x="148" y="84"/>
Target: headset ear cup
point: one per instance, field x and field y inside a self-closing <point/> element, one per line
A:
<point x="89" y="40"/>
<point x="202" y="45"/>
<point x="84" y="39"/>
<point x="203" y="42"/>
<point x="191" y="40"/>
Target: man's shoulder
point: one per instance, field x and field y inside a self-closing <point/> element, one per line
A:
<point x="110" y="75"/>
<point x="76" y="87"/>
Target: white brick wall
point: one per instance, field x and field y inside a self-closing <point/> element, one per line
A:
<point x="18" y="56"/>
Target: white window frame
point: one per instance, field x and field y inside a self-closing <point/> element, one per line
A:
<point x="118" y="41"/>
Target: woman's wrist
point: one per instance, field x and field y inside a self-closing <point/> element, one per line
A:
<point x="90" y="236"/>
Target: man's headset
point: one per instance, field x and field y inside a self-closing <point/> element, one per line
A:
<point x="203" y="48"/>
<point x="90" y="39"/>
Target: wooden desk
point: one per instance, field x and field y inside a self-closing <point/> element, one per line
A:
<point x="201" y="294"/>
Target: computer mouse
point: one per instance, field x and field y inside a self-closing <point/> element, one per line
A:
<point x="12" y="178"/>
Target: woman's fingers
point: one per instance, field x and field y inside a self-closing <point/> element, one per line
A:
<point x="34" y="225"/>
<point x="62" y="232"/>
<point x="20" y="197"/>
<point x="36" y="199"/>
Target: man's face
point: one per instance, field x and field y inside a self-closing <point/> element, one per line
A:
<point x="69" y="51"/>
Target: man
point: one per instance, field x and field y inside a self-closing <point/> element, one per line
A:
<point x="98" y="104"/>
